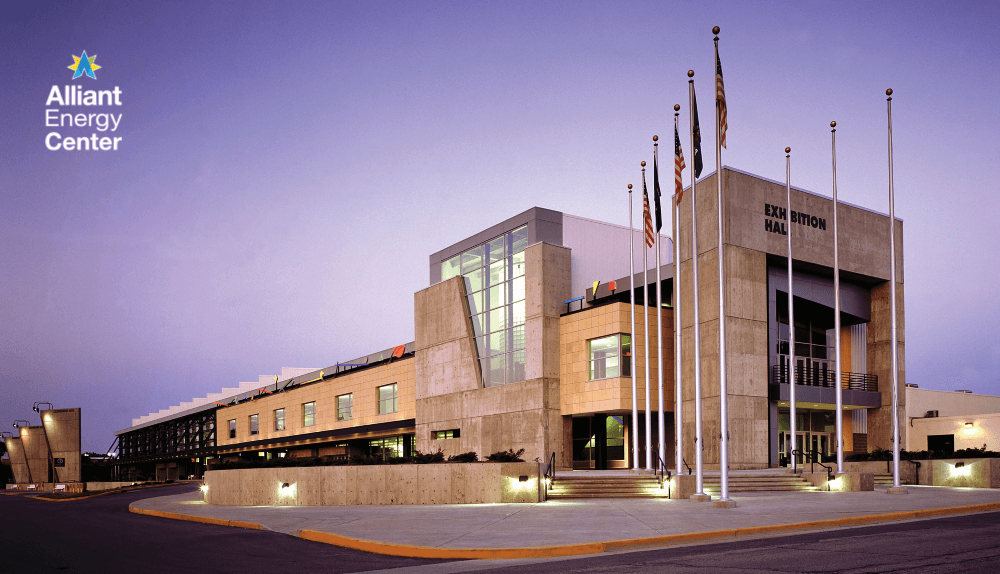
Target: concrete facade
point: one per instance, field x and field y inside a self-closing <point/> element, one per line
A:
<point x="756" y="223"/>
<point x="451" y="394"/>
<point x="62" y="432"/>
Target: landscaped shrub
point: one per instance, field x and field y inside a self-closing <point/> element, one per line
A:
<point x="426" y="458"/>
<point x="464" y="457"/>
<point x="506" y="456"/>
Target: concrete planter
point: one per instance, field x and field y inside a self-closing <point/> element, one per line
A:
<point x="471" y="483"/>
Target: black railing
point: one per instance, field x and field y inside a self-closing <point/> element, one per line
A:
<point x="662" y="472"/>
<point x="818" y="377"/>
<point x="550" y="472"/>
<point x="817" y="458"/>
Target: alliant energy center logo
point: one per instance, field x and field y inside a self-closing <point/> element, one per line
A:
<point x="67" y="115"/>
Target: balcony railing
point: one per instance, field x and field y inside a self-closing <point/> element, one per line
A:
<point x="816" y="377"/>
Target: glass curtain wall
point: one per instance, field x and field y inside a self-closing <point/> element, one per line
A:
<point x="495" y="284"/>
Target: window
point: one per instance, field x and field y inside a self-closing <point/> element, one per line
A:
<point x="610" y="357"/>
<point x="387" y="399"/>
<point x="345" y="407"/>
<point x="495" y="284"/>
<point x="386" y="448"/>
<point x="254" y="424"/>
<point x="232" y="428"/>
<point x="309" y="414"/>
<point x="279" y="419"/>
<point x="444" y="434"/>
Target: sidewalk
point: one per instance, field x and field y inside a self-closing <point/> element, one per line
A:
<point x="564" y="528"/>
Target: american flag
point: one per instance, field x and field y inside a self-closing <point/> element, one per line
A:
<point x="647" y="217"/>
<point x="678" y="166"/>
<point x="720" y="97"/>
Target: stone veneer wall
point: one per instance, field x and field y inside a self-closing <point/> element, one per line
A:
<point x="474" y="483"/>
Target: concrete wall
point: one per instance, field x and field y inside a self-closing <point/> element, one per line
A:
<point x="62" y="428"/>
<point x="362" y="385"/>
<point x="880" y="364"/>
<point x="975" y="473"/>
<point x="450" y="394"/>
<point x="985" y="431"/>
<point x="18" y="464"/>
<point x="478" y="483"/>
<point x="36" y="452"/>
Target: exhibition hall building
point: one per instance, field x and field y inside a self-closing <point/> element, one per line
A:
<point x="523" y="340"/>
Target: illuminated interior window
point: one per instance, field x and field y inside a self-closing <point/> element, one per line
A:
<point x="254" y="424"/>
<point x="387" y="399"/>
<point x="345" y="407"/>
<point x="446" y="434"/>
<point x="279" y="419"/>
<point x="610" y="357"/>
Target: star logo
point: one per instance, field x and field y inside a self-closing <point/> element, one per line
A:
<point x="84" y="65"/>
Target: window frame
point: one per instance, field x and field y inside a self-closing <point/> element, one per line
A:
<point x="340" y="409"/>
<point x="394" y="399"/>
<point x="254" y="421"/>
<point x="305" y="414"/>
<point x="280" y="419"/>
<point x="232" y="428"/>
<point x="624" y="361"/>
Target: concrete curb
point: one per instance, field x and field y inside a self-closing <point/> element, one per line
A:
<point x="193" y="518"/>
<point x="96" y="494"/>
<point x="411" y="551"/>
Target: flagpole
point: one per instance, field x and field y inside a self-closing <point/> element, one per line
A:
<point x="723" y="391"/>
<point x="793" y="452"/>
<point x="645" y="313"/>
<point x="699" y="494"/>
<point x="836" y="310"/>
<point x="892" y="305"/>
<point x="661" y="444"/>
<point x="631" y="282"/>
<point x="678" y="370"/>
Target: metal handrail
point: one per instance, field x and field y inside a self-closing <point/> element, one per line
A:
<point x="813" y="377"/>
<point x="685" y="464"/>
<point x="814" y="455"/>
<point x="550" y="472"/>
<point x="662" y="471"/>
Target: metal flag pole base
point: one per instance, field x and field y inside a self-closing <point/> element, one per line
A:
<point x="897" y="490"/>
<point x="724" y="503"/>
<point x="701" y="497"/>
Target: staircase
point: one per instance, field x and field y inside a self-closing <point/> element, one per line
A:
<point x="885" y="479"/>
<point x="760" y="483"/>
<point x="570" y="486"/>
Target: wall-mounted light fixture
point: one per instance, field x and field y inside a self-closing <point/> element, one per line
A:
<point x="17" y="426"/>
<point x="968" y="425"/>
<point x="204" y="488"/>
<point x="523" y="478"/>
<point x="960" y="469"/>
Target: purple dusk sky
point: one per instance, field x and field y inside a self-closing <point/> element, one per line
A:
<point x="287" y="168"/>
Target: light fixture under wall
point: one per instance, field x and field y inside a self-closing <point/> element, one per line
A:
<point x="968" y="425"/>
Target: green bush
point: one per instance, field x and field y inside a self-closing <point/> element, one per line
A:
<point x="506" y="456"/>
<point x="464" y="457"/>
<point x="427" y="458"/>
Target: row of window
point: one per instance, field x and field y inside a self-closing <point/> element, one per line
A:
<point x="387" y="403"/>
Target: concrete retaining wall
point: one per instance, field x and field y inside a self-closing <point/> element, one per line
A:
<point x="473" y="483"/>
<point x="975" y="473"/>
